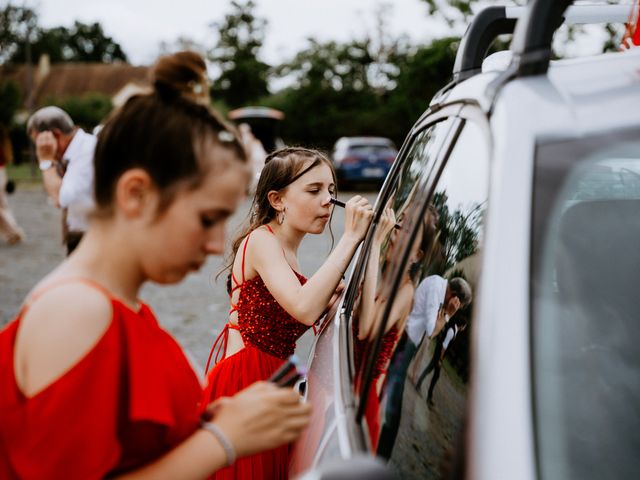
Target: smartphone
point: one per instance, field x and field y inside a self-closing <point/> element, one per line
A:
<point x="289" y="373"/>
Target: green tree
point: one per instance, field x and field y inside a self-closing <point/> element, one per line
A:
<point x="87" y="110"/>
<point x="331" y="65"/>
<point x="51" y="42"/>
<point x="459" y="12"/>
<point x="243" y="76"/>
<point x="81" y="43"/>
<point x="330" y="93"/>
<point x="9" y="102"/>
<point x="17" y="25"/>
<point x="89" y="43"/>
<point x="348" y="89"/>
<point x="421" y="73"/>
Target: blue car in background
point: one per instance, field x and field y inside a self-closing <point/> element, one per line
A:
<point x="363" y="159"/>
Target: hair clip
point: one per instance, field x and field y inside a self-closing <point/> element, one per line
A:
<point x="226" y="136"/>
<point x="196" y="87"/>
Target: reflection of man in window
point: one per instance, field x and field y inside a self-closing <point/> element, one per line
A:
<point x="435" y="302"/>
<point x="443" y="342"/>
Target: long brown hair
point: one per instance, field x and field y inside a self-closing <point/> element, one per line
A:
<point x="282" y="168"/>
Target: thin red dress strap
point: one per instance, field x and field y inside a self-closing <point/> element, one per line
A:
<point x="219" y="348"/>
<point x="62" y="281"/>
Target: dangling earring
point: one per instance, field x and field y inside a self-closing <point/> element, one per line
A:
<point x="280" y="216"/>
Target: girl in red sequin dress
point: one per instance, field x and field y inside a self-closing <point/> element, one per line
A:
<point x="92" y="387"/>
<point x="272" y="304"/>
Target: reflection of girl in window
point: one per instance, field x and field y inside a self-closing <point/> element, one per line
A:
<point x="372" y="307"/>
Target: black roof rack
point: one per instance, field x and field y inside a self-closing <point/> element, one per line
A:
<point x="486" y="26"/>
<point x="531" y="44"/>
<point x="532" y="37"/>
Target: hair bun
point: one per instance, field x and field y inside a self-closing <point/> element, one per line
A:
<point x="182" y="74"/>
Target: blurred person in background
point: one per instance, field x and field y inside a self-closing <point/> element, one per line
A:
<point x="255" y="152"/>
<point x="9" y="228"/>
<point x="65" y="156"/>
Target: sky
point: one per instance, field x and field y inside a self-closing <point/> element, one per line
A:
<point x="139" y="26"/>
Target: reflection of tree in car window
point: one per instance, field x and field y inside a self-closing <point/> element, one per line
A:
<point x="459" y="231"/>
<point x="420" y="154"/>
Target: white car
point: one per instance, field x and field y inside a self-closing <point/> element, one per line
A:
<point x="524" y="183"/>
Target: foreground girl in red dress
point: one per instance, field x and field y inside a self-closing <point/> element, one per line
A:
<point x="91" y="386"/>
<point x="272" y="304"/>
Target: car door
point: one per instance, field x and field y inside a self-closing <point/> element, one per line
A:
<point x="410" y="379"/>
<point x="330" y="381"/>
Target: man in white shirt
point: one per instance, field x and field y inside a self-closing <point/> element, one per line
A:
<point x="65" y="155"/>
<point x="436" y="300"/>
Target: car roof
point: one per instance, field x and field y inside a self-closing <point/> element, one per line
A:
<point x="529" y="51"/>
<point x="369" y="140"/>
<point x="608" y="74"/>
<point x="613" y="77"/>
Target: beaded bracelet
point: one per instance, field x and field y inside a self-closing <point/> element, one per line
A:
<point x="224" y="441"/>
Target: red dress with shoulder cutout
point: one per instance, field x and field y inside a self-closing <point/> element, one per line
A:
<point x="269" y="334"/>
<point x="130" y="399"/>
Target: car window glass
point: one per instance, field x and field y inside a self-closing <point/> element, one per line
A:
<point x="433" y="260"/>
<point x="418" y="162"/>
<point x="585" y="309"/>
<point x="419" y="159"/>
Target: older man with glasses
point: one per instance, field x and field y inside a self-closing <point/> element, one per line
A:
<point x="65" y="155"/>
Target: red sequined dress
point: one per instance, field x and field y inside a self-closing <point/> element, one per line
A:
<point x="387" y="347"/>
<point x="269" y="334"/>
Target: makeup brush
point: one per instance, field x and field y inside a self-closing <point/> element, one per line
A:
<point x="337" y="202"/>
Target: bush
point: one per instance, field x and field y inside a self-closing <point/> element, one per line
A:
<point x="86" y="110"/>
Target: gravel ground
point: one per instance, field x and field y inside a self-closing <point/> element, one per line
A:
<point x="194" y="311"/>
